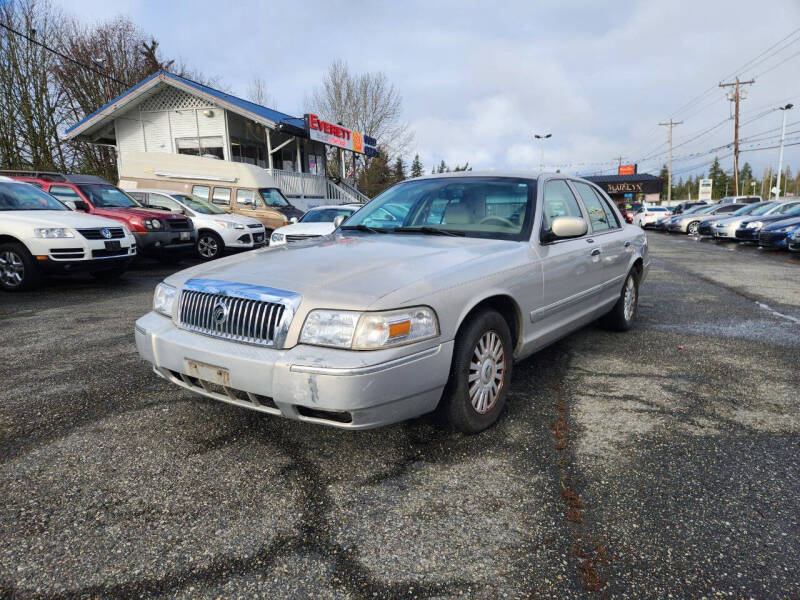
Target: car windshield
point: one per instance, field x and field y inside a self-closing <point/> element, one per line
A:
<point x="492" y="207"/>
<point x="198" y="205"/>
<point x="695" y="209"/>
<point x="21" y="196"/>
<point x="745" y="210"/>
<point x="764" y="208"/>
<point x="702" y="210"/>
<point x="107" y="196"/>
<point x="273" y="197"/>
<point x="325" y="215"/>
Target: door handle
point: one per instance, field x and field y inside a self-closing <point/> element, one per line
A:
<point x="595" y="252"/>
<point x="627" y="244"/>
<point x="589" y="241"/>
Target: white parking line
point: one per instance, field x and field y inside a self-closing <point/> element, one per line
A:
<point x="777" y="314"/>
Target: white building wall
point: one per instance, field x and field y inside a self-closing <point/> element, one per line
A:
<point x="128" y="130"/>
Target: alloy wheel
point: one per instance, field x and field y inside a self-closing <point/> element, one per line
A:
<point x="486" y="372"/>
<point x="629" y="298"/>
<point x="12" y="269"/>
<point x="207" y="246"/>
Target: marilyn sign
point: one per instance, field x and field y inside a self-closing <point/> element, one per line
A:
<point x="341" y="137"/>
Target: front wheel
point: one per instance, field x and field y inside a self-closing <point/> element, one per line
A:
<point x="209" y="245"/>
<point x="693" y="228"/>
<point x="620" y="318"/>
<point x="18" y="269"/>
<point x="480" y="374"/>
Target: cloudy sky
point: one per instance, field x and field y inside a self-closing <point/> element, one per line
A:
<point x="478" y="79"/>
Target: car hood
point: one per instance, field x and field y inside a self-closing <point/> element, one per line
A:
<point x="56" y="218"/>
<point x="767" y="218"/>
<point x="231" y="217"/>
<point x="350" y="270"/>
<point x="306" y="229"/>
<point x="791" y="221"/>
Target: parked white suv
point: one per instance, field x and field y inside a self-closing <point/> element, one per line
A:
<point x="39" y="234"/>
<point x="217" y="229"/>
<point x="317" y="222"/>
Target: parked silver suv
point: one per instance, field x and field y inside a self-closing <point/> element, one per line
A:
<point x="421" y="301"/>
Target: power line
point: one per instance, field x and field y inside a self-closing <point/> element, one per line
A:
<point x="64" y="56"/>
<point x="778" y="65"/>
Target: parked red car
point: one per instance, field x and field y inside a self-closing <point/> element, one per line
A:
<point x="629" y="209"/>
<point x="158" y="233"/>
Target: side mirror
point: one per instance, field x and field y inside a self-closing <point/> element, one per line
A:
<point x="80" y="205"/>
<point x="567" y="227"/>
<point x="293" y="220"/>
<point x="338" y="221"/>
<point x="70" y="204"/>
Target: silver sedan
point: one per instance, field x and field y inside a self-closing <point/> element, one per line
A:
<point x="422" y="301"/>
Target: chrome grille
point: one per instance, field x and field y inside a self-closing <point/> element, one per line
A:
<point x="255" y="225"/>
<point x="299" y="238"/>
<point x="96" y="233"/>
<point x="246" y="320"/>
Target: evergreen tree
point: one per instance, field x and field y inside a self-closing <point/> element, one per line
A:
<point x="416" y="167"/>
<point x="399" y="169"/>
<point x="376" y="176"/>
<point x="664" y="175"/>
<point x="466" y="167"/>
<point x="443" y="168"/>
<point x="720" y="179"/>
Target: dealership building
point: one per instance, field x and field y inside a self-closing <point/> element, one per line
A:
<point x="166" y="113"/>
<point x="636" y="187"/>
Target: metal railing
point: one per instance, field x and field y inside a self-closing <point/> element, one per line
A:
<point x="307" y="185"/>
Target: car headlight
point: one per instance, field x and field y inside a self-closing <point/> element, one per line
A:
<point x="152" y="224"/>
<point x="229" y="225"/>
<point x="125" y="231"/>
<point x="277" y="237"/>
<point x="369" y="330"/>
<point x="164" y="299"/>
<point x="755" y="225"/>
<point x="53" y="232"/>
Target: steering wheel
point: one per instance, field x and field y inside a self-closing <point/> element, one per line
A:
<point x="501" y="220"/>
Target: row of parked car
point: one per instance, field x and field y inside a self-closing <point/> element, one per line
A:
<point x="56" y="223"/>
<point x="770" y="224"/>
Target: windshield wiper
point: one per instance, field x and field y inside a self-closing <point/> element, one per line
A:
<point x="362" y="227"/>
<point x="430" y="231"/>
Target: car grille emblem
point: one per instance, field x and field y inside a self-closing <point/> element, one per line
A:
<point x="105" y="233"/>
<point x="220" y="313"/>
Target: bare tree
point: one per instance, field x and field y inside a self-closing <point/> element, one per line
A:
<point x="366" y="102"/>
<point x="258" y="92"/>
<point x="31" y="110"/>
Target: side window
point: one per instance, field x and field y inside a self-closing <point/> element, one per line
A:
<point x="594" y="207"/>
<point x="559" y="201"/>
<point x="140" y="196"/>
<point x="161" y="201"/>
<point x="613" y="220"/>
<point x="201" y="191"/>
<point x="247" y="198"/>
<point x="221" y="196"/>
<point x="63" y="192"/>
<point x="731" y="208"/>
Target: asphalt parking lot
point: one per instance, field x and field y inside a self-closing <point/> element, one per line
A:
<point x="663" y="461"/>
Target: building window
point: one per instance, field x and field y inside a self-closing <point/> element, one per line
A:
<point x="209" y="147"/>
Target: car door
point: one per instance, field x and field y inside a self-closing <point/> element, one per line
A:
<point x="570" y="269"/>
<point x="608" y="234"/>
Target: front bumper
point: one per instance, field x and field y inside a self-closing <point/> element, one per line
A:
<point x="747" y="235"/>
<point x="341" y="388"/>
<point x="794" y="244"/>
<point x="772" y="239"/>
<point x="158" y="242"/>
<point x="246" y="239"/>
<point x="679" y="227"/>
<point x="706" y="229"/>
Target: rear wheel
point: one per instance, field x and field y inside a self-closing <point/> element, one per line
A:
<point x="693" y="228"/>
<point x="620" y="318"/>
<point x="480" y="374"/>
<point x="209" y="245"/>
<point x="18" y="269"/>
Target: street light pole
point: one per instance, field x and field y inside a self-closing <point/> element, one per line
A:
<point x="541" y="139"/>
<point x="783" y="138"/>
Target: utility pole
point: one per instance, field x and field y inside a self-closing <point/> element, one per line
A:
<point x="783" y="138"/>
<point x="671" y="124"/>
<point x="735" y="97"/>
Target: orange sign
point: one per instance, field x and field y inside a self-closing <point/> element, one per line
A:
<point x="626" y="170"/>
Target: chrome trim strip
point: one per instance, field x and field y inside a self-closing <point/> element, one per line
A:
<point x="545" y="311"/>
<point x="314" y="370"/>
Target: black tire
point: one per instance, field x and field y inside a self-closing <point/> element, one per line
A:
<point x="693" y="228"/>
<point x="209" y="245"/>
<point x="18" y="269"/>
<point x="618" y="318"/>
<point x="108" y="274"/>
<point x="456" y="408"/>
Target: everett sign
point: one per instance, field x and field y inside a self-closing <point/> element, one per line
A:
<point x="341" y="137"/>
